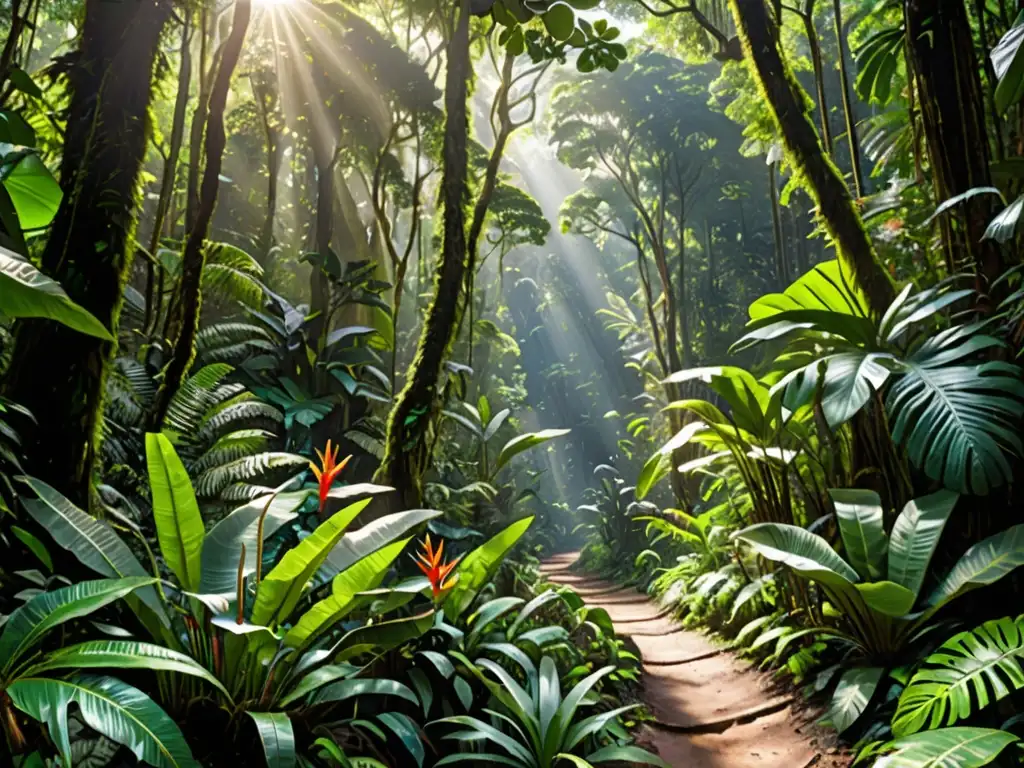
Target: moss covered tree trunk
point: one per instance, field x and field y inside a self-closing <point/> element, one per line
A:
<point x="185" y="313"/>
<point x="57" y="373"/>
<point x="407" y="449"/>
<point x="940" y="42"/>
<point x="788" y="103"/>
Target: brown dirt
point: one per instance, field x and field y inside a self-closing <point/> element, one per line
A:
<point x="711" y="710"/>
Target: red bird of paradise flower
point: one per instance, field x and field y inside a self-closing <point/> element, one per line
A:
<point x="328" y="472"/>
<point x="439" y="575"/>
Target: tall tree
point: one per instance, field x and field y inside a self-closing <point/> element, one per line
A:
<point x="759" y="34"/>
<point x="56" y="372"/>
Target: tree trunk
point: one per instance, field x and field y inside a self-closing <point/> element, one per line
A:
<point x="55" y="372"/>
<point x="407" y="449"/>
<point x="941" y="46"/>
<point x="193" y="259"/>
<point x="844" y="81"/>
<point x="154" y="288"/>
<point x="788" y="105"/>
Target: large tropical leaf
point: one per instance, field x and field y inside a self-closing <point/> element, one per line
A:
<point x="280" y="590"/>
<point x="915" y="535"/>
<point x="862" y="526"/>
<point x="849" y="382"/>
<point x="828" y="286"/>
<point x="626" y="755"/>
<point x="378" y="638"/>
<point x="803" y="551"/>
<point x="92" y="541"/>
<point x="179" y="526"/>
<point x="222" y="546"/>
<point x="358" y="544"/>
<point x="984" y="563"/>
<point x="117" y="710"/>
<point x="965" y="674"/>
<point x="123" y="654"/>
<point x="363" y="575"/>
<point x="947" y="747"/>
<point x="277" y="737"/>
<point x="477" y="567"/>
<point x="27" y="292"/>
<point x="956" y="420"/>
<point x="517" y="445"/>
<point x="855" y="689"/>
<point x="29" y="623"/>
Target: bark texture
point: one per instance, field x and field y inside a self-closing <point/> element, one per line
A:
<point x="55" y="372"/>
<point x="940" y="44"/>
<point x="407" y="450"/>
<point x="789" y="107"/>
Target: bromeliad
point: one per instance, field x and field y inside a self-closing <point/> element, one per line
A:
<point x="328" y="472"/>
<point x="439" y="575"/>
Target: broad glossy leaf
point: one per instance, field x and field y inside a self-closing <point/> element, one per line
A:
<point x="364" y="575"/>
<point x="517" y="445"/>
<point x="222" y="546"/>
<point x="915" y="535"/>
<point x="374" y="535"/>
<point x="279" y="592"/>
<point x="179" y="526"/>
<point x="29" y="623"/>
<point x="855" y="689"/>
<point x="115" y="709"/>
<point x="477" y="567"/>
<point x="803" y="551"/>
<point x="560" y="21"/>
<point x="862" y="526"/>
<point x="93" y="542"/>
<point x="960" y="747"/>
<point x="347" y="689"/>
<point x="378" y="638"/>
<point x="318" y="678"/>
<point x="828" y="286"/>
<point x="35" y="193"/>
<point x="627" y="755"/>
<point x="277" y="737"/>
<point x="405" y="729"/>
<point x="1003" y="227"/>
<point x="27" y="292"/>
<point x="124" y="654"/>
<point x="887" y="597"/>
<point x="984" y="563"/>
<point x="1008" y="63"/>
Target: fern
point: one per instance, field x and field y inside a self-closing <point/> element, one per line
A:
<point x="232" y="343"/>
<point x="213" y="481"/>
<point x="985" y="662"/>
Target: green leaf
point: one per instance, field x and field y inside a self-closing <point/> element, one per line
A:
<point x="1008" y="63"/>
<point x="381" y="637"/>
<point x="629" y="755"/>
<point x="29" y="623"/>
<point x="318" y="678"/>
<point x="23" y="81"/>
<point x="371" y="537"/>
<point x="828" y="286"/>
<point x="364" y="575"/>
<point x="93" y="542"/>
<point x="124" y="654"/>
<point x="560" y="21"/>
<point x="405" y="729"/>
<point x="862" y="526"/>
<point x="347" y="689"/>
<point x="1004" y="225"/>
<point x="222" y="546"/>
<point x="960" y="747"/>
<point x="34" y="545"/>
<point x="477" y="567"/>
<point x="803" y="551"/>
<point x="115" y="709"/>
<point x="915" y="535"/>
<point x="855" y="689"/>
<point x="179" y="526"/>
<point x="35" y="193"/>
<point x="887" y="597"/>
<point x="280" y="591"/>
<point x="27" y="292"/>
<point x="277" y="737"/>
<point x="850" y="381"/>
<point x="517" y="445"/>
<point x="984" y="563"/>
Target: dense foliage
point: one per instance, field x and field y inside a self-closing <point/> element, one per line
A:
<point x="322" y="322"/>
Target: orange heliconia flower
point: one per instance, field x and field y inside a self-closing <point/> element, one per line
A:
<point x="328" y="471"/>
<point x="439" y="575"/>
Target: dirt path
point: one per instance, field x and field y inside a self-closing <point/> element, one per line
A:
<point x="711" y="709"/>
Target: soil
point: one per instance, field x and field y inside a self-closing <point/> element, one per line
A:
<point x="710" y="709"/>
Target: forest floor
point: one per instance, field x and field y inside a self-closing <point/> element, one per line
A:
<point x="710" y="709"/>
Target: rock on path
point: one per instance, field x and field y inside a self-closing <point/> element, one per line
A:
<point x="711" y="709"/>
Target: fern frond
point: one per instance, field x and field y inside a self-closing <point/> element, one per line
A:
<point x="213" y="481"/>
<point x="190" y="403"/>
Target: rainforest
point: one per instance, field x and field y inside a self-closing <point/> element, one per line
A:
<point x="531" y="383"/>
